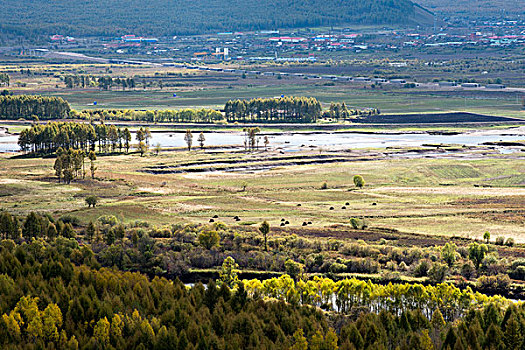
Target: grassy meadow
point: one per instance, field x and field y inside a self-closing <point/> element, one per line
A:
<point x="454" y="197"/>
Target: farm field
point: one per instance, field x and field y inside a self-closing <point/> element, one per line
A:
<point x="387" y="102"/>
<point x="197" y="89"/>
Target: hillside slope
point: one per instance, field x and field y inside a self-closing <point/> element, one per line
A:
<point x="170" y="17"/>
<point x="483" y="9"/>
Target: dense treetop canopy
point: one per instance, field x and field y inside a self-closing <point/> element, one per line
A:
<point x="170" y="17"/>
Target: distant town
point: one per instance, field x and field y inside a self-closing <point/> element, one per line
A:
<point x="301" y="45"/>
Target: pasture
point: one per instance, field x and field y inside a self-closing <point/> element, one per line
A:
<point x="449" y="196"/>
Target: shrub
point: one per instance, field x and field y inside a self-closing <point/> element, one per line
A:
<point x="517" y="269"/>
<point x="421" y="269"/>
<point x="209" y="239"/>
<point x="509" y="242"/>
<point x="359" y="182"/>
<point x="518" y="262"/>
<point x="91" y="201"/>
<point x="518" y="273"/>
<point x="477" y="253"/>
<point x="494" y="284"/>
<point x="391" y="265"/>
<point x="8" y="244"/>
<point x="358" y="224"/>
<point x="160" y="232"/>
<point x="468" y="270"/>
<point x="500" y="240"/>
<point x="110" y="220"/>
<point x="220" y="226"/>
<point x="448" y="253"/>
<point x="324" y="186"/>
<point x="438" y="272"/>
<point x="359" y="265"/>
<point x="140" y="223"/>
<point x="338" y="268"/>
<point x="402" y="266"/>
<point x="390" y="276"/>
<point x="70" y="219"/>
<point x="492" y="265"/>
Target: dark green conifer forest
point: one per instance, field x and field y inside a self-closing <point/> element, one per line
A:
<point x="58" y="290"/>
<point x="165" y="18"/>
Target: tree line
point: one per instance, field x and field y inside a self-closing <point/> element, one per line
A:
<point x="342" y="112"/>
<point x="34" y="226"/>
<point x="82" y="81"/>
<point x="269" y="110"/>
<point x="48" y="138"/>
<point x="347" y="294"/>
<point x="187" y="115"/>
<point x="27" y="106"/>
<point x="274" y="110"/>
<point x="104" y="83"/>
<point x="54" y="294"/>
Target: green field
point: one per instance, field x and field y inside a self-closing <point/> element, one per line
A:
<point x="428" y="196"/>
<point x="387" y="102"/>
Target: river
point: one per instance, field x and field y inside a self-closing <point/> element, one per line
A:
<point x="295" y="141"/>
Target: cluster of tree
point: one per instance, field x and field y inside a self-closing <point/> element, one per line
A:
<point x="108" y="18"/>
<point x="341" y="111"/>
<point x="346" y="294"/>
<point x="143" y="136"/>
<point x="273" y="110"/>
<point x="50" y="137"/>
<point x="135" y="247"/>
<point x="28" y="106"/>
<point x="162" y="116"/>
<point x="106" y="83"/>
<point x="4" y="79"/>
<point x="69" y="164"/>
<point x="205" y="247"/>
<point x="55" y="295"/>
<point x="35" y="226"/>
<point x="252" y="141"/>
<point x="82" y="81"/>
<point x="47" y="301"/>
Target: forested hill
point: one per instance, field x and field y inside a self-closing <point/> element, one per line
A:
<point x="171" y="17"/>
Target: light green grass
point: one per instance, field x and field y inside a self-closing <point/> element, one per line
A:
<point x="409" y="194"/>
<point x="387" y="102"/>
